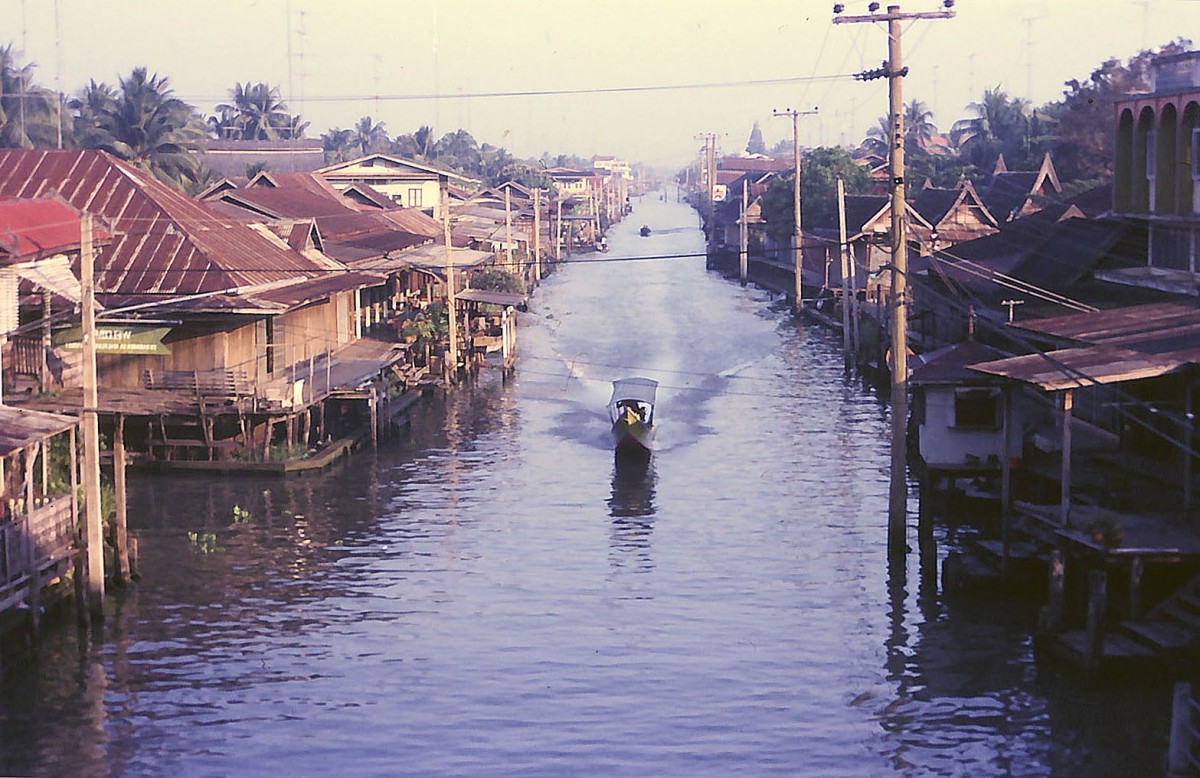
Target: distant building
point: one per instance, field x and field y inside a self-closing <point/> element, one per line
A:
<point x="612" y="165"/>
<point x="235" y="158"/>
<point x="1157" y="181"/>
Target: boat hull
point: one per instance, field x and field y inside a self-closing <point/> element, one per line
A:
<point x="635" y="437"/>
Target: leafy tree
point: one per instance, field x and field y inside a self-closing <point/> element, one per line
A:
<point x="28" y="112"/>
<point x="496" y="164"/>
<point x="819" y="171"/>
<point x="460" y="150"/>
<point x="496" y="280"/>
<point x="145" y="124"/>
<point x="1083" y="121"/>
<point x="756" y="145"/>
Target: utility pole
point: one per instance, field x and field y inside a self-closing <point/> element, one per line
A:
<point x="894" y="70"/>
<point x="710" y="175"/>
<point x="508" y="250"/>
<point x="537" y="235"/>
<point x="450" y="291"/>
<point x="743" y="236"/>
<point x="797" y="232"/>
<point x="94" y="521"/>
<point x="843" y="250"/>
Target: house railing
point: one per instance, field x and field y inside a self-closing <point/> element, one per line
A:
<point x="28" y="356"/>
<point x="31" y="541"/>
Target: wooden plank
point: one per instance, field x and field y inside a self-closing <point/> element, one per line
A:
<point x="1160" y="634"/>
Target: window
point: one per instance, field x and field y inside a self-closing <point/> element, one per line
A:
<point x="979" y="408"/>
<point x="414" y="198"/>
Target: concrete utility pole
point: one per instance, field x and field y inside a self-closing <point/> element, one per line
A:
<point x="797" y="233"/>
<point x="94" y="522"/>
<point x="895" y="71"/>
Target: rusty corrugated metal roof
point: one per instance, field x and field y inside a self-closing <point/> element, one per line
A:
<point x="165" y="243"/>
<point x="31" y="228"/>
<point x="1132" y="324"/>
<point x="1075" y="368"/>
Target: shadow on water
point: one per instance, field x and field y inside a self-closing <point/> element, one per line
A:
<point x="631" y="506"/>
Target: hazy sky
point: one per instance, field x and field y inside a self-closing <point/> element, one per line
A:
<point x="378" y="58"/>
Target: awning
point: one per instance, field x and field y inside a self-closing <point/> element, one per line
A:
<point x="490" y="296"/>
<point x="1074" y="368"/>
<point x="20" y="428"/>
<point x="52" y="274"/>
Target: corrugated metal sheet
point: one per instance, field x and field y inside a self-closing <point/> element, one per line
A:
<point x="491" y="296"/>
<point x="165" y="243"/>
<point x="20" y="428"/>
<point x="1079" y="367"/>
<point x="36" y="227"/>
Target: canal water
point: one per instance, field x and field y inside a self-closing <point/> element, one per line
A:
<point x="494" y="595"/>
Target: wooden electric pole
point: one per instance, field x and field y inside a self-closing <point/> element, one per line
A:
<point x="797" y="232"/>
<point x="450" y="291"/>
<point x="894" y="70"/>
<point x="94" y="521"/>
<point x="847" y="289"/>
<point x="744" y="236"/>
<point x="710" y="175"/>
<point x="537" y="236"/>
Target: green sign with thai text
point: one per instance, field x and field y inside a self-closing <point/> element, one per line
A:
<point x="118" y="339"/>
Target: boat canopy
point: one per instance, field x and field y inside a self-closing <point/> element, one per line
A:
<point x="640" y="389"/>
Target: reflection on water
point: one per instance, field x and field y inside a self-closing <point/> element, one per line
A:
<point x="497" y="595"/>
<point x="631" y="506"/>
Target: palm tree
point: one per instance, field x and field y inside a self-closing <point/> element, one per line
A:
<point x="89" y="110"/>
<point x="919" y="128"/>
<point x="424" y="140"/>
<point x="879" y="137"/>
<point x="28" y="113"/>
<point x="460" y="150"/>
<point x="1000" y="125"/>
<point x="259" y="111"/>
<point x="369" y="136"/>
<point x="339" y="145"/>
<point x="147" y="125"/>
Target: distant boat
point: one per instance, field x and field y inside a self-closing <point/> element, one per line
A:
<point x="631" y="410"/>
<point x="645" y="230"/>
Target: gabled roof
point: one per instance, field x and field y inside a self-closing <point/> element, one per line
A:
<point x="935" y="204"/>
<point x="164" y="242"/>
<point x="387" y="163"/>
<point x="1009" y="194"/>
<point x="364" y="195"/>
